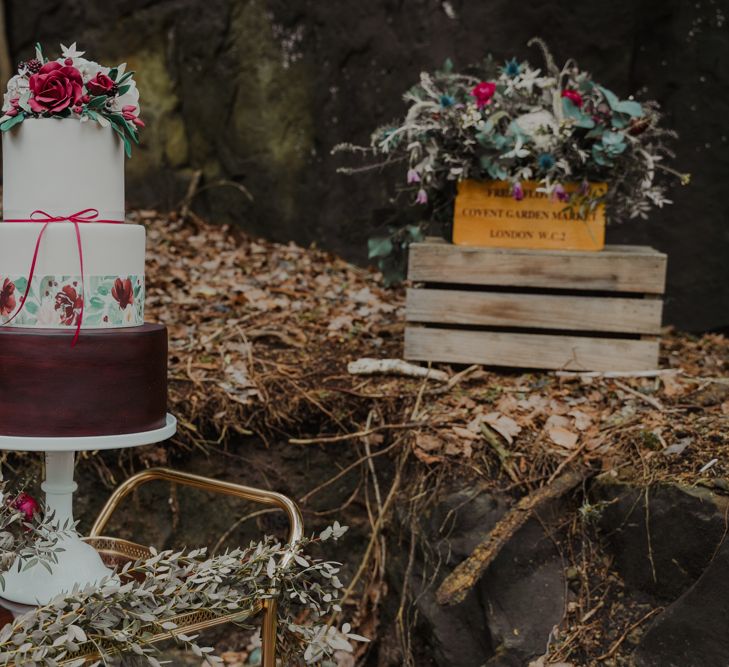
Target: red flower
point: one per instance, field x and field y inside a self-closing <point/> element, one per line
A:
<point x="123" y="292"/>
<point x="70" y="304"/>
<point x="55" y="87"/>
<point x="101" y="84"/>
<point x="26" y="504"/>
<point x="483" y="93"/>
<point x="7" y="297"/>
<point x="574" y="96"/>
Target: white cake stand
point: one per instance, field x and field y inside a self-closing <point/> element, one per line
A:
<point x="78" y="563"/>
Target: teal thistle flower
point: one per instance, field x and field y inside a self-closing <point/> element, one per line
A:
<point x="447" y="101"/>
<point x="545" y="161"/>
<point x="511" y="68"/>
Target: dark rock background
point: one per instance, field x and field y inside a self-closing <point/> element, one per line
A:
<point x="256" y="93"/>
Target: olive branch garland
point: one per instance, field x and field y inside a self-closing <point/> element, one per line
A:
<point x="123" y="613"/>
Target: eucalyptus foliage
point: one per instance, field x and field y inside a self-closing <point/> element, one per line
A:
<point x="122" y="613"/>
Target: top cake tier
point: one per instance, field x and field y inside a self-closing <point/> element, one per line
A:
<point x="62" y="166"/>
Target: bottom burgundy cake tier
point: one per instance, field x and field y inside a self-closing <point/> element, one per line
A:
<point x="113" y="381"/>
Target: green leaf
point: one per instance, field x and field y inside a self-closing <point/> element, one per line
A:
<point x="572" y="111"/>
<point x="610" y="96"/>
<point x="124" y="89"/>
<point x="631" y="107"/>
<point x="97" y="101"/>
<point x="125" y="77"/>
<point x="125" y="140"/>
<point x="31" y="307"/>
<point x="618" y="121"/>
<point x="414" y="232"/>
<point x="448" y="66"/>
<point x="379" y="246"/>
<point x="113" y="73"/>
<point x="39" y="52"/>
<point x="12" y="122"/>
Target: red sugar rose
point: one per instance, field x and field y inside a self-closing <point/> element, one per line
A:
<point x="55" y="87"/>
<point x="101" y="84"/>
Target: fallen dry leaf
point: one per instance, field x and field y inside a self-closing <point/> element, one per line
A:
<point x="503" y="425"/>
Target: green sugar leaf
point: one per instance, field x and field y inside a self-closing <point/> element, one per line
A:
<point x="12" y="122"/>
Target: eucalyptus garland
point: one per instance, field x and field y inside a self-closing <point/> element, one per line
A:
<point x="122" y="613"/>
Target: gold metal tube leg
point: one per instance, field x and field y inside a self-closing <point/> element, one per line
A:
<point x="268" y="634"/>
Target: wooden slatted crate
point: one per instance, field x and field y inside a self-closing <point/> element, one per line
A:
<point x="551" y="309"/>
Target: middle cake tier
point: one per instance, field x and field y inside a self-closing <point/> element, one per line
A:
<point x="113" y="285"/>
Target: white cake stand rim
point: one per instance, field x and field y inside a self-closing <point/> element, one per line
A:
<point x="89" y="443"/>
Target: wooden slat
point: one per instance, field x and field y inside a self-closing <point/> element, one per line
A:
<point x="534" y="311"/>
<point x="529" y="350"/>
<point x="636" y="269"/>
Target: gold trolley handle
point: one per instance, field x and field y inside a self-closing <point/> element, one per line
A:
<point x="296" y="523"/>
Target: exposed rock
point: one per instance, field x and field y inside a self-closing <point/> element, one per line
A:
<point x="643" y="535"/>
<point x="692" y="631"/>
<point x="507" y="618"/>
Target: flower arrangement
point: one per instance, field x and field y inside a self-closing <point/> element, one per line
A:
<point x="73" y="87"/>
<point x="519" y="123"/>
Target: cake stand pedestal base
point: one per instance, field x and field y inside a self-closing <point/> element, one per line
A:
<point x="78" y="564"/>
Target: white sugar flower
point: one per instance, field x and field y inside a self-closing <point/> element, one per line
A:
<point x="71" y="51"/>
<point x="16" y="87"/>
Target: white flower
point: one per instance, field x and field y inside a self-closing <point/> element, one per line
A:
<point x="88" y="68"/>
<point x="16" y="87"/>
<point x="71" y="51"/>
<point x="540" y="126"/>
<point x="517" y="151"/>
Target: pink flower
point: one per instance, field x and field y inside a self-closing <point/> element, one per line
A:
<point x="129" y="113"/>
<point x="560" y="193"/>
<point x="422" y="197"/>
<point x="101" y="84"/>
<point x="483" y="92"/>
<point x="14" y="108"/>
<point x="413" y="176"/>
<point x="55" y="87"/>
<point x="574" y="96"/>
<point x="517" y="192"/>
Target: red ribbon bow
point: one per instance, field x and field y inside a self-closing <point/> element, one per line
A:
<point x="41" y="217"/>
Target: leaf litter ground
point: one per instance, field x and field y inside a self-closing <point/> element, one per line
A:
<point x="260" y="337"/>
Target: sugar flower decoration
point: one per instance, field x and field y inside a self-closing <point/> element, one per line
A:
<point x="74" y="87"/>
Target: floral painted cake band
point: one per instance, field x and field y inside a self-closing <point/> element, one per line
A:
<point x="56" y="301"/>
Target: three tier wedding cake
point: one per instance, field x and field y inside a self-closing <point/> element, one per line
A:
<point x="76" y="357"/>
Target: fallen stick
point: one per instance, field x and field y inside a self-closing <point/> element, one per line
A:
<point x="456" y="585"/>
<point x="351" y="436"/>
<point x="653" y="402"/>
<point x="577" y="375"/>
<point x="369" y="366"/>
